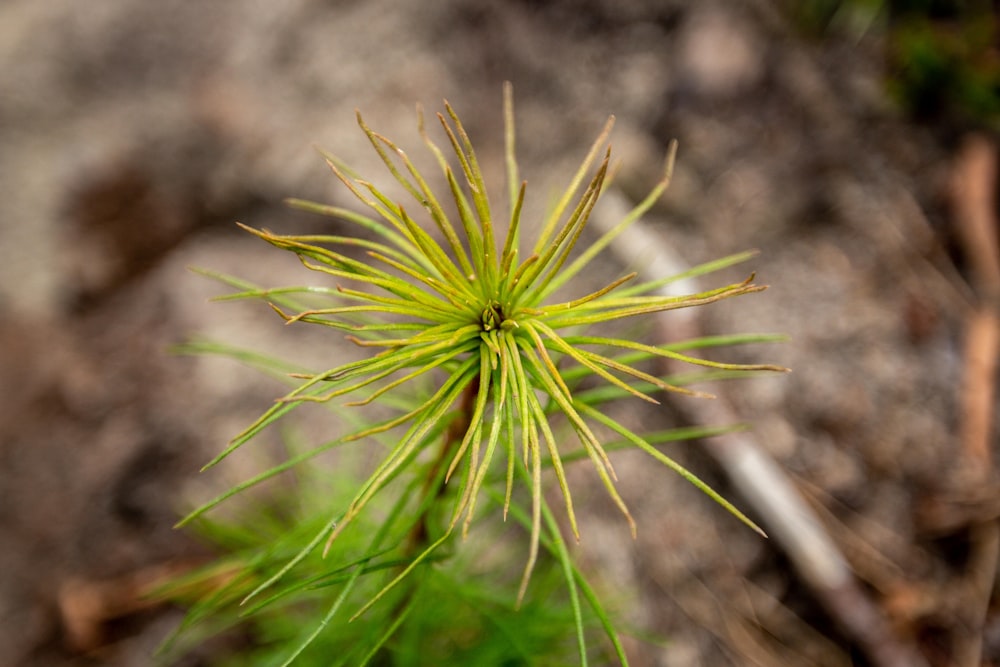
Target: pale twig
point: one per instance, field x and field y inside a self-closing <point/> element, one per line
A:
<point x="792" y="524"/>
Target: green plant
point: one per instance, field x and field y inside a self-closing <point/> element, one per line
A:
<point x="480" y="363"/>
<point x="945" y="65"/>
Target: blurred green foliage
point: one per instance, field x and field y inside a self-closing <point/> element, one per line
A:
<point x="942" y="57"/>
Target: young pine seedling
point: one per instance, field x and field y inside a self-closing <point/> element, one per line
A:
<point x="480" y="362"/>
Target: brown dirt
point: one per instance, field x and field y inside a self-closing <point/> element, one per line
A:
<point x="135" y="133"/>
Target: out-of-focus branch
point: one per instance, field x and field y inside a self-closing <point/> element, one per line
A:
<point x="974" y="181"/>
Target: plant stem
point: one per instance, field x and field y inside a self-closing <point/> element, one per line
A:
<point x="419" y="538"/>
<point x="420" y="535"/>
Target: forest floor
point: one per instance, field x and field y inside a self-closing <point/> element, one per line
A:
<point x="135" y="134"/>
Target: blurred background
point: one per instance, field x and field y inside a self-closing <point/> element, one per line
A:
<point x="851" y="141"/>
